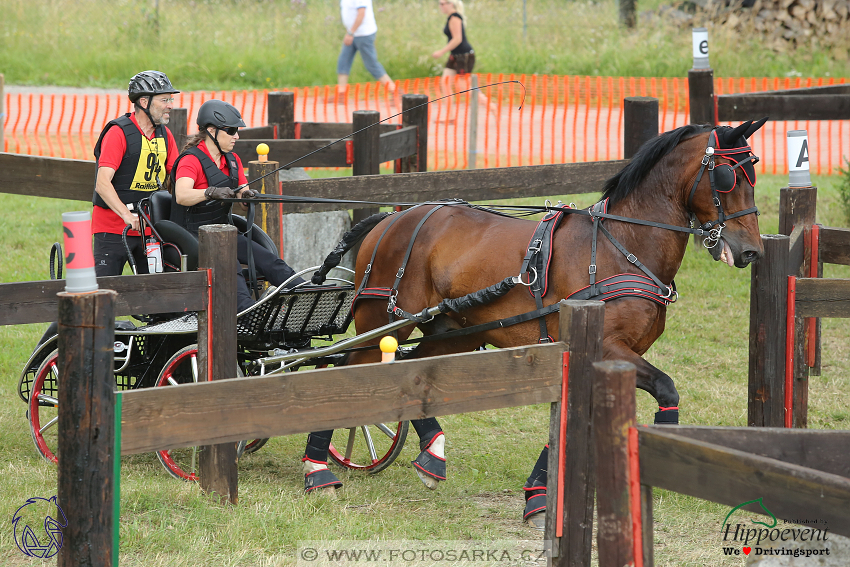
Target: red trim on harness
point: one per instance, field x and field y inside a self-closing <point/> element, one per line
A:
<point x="371" y="293"/>
<point x="638" y="279"/>
<point x="668" y="409"/>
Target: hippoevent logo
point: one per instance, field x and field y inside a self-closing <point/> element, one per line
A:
<point x="37" y="527"/>
<point x="773" y="537"/>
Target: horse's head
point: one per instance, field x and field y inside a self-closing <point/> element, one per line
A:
<point x="722" y="195"/>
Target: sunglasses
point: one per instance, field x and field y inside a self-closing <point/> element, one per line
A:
<point x="230" y="131"/>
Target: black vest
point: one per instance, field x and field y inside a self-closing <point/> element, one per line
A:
<point x="207" y="212"/>
<point x="138" y="175"/>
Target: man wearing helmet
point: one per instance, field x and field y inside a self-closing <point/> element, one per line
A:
<point x="207" y="171"/>
<point x="134" y="153"/>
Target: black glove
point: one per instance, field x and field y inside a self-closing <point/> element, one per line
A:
<point x="219" y="193"/>
<point x="249" y="194"/>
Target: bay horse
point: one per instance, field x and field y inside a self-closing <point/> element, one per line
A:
<point x="457" y="249"/>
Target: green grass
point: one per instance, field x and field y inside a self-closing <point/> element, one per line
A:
<point x="224" y="44"/>
<point x="168" y="523"/>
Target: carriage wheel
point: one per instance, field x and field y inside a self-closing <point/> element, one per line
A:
<point x="44" y="408"/>
<point x="182" y="368"/>
<point x="370" y="448"/>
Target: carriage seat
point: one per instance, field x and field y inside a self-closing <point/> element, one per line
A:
<point x="160" y="202"/>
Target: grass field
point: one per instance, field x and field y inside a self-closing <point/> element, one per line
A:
<point x="168" y="523"/>
<point x="225" y="44"/>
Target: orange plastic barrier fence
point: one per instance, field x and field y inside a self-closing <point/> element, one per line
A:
<point x="545" y="119"/>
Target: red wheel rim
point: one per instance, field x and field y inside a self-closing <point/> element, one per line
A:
<point x="165" y="455"/>
<point x="340" y="458"/>
<point x="50" y="365"/>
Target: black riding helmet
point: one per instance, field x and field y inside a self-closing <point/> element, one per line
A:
<point x="149" y="83"/>
<point x="220" y="115"/>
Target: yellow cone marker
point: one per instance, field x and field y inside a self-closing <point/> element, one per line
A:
<point x="388" y="347"/>
<point x="262" y="152"/>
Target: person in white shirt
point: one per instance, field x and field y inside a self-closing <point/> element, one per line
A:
<point x="360" y="31"/>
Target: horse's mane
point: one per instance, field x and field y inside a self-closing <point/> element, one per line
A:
<point x="622" y="184"/>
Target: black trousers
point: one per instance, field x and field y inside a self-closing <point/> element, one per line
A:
<point x="110" y="254"/>
<point x="267" y="264"/>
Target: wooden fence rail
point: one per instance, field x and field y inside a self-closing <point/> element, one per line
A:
<point x="796" y="474"/>
<point x="35" y="302"/>
<point x="74" y="179"/>
<point x="815" y="103"/>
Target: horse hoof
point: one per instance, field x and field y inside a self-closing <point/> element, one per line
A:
<point x="537" y="521"/>
<point x="428" y="481"/>
<point x="321" y="481"/>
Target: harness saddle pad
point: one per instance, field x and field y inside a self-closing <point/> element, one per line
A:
<point x="539" y="254"/>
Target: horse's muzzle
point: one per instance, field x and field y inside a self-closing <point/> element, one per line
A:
<point x="748" y="256"/>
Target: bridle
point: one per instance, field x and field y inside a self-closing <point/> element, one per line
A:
<point x="723" y="179"/>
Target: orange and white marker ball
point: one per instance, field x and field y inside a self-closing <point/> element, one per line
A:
<point x="262" y="152"/>
<point x="388" y="348"/>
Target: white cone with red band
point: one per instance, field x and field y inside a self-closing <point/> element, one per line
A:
<point x="79" y="258"/>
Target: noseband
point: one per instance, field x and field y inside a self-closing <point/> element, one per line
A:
<point x="724" y="185"/>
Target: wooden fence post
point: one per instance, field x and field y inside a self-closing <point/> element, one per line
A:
<point x="268" y="214"/>
<point x="282" y="114"/>
<point x="418" y="118"/>
<point x="768" y="296"/>
<point x="217" y="348"/>
<point x="627" y="13"/>
<point x="86" y="428"/>
<point x="570" y="480"/>
<point x="701" y="96"/>
<point x="366" y="150"/>
<point x="640" y="123"/>
<point x="613" y="415"/>
<point x="797" y="209"/>
<point x="179" y="126"/>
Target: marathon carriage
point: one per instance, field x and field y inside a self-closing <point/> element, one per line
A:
<point x="162" y="352"/>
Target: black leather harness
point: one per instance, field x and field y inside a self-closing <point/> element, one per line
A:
<point x="538" y="256"/>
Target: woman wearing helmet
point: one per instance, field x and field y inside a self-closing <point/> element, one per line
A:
<point x="208" y="170"/>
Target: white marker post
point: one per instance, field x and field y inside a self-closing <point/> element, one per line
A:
<point x="701" y="82"/>
<point x="701" y="48"/>
<point x="798" y="159"/>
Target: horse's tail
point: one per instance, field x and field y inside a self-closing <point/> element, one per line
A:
<point x="357" y="233"/>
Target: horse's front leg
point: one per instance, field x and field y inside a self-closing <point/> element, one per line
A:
<point x="650" y="379"/>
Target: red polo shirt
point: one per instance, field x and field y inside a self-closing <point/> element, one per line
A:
<point x="112" y="151"/>
<point x="190" y="166"/>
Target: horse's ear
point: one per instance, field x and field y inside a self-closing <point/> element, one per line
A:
<point x="732" y="136"/>
<point x="754" y="126"/>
